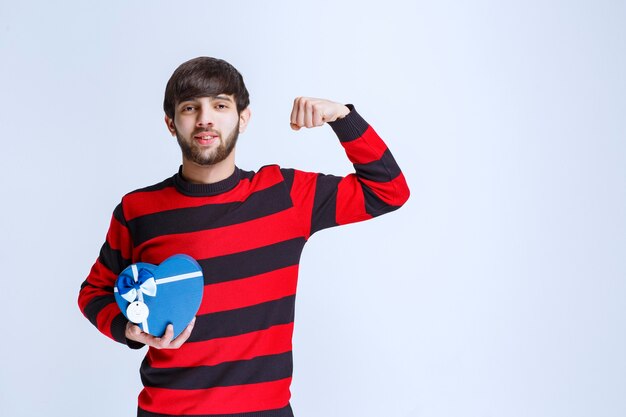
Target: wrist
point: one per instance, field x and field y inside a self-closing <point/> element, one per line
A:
<point x="343" y="112"/>
<point x="351" y="127"/>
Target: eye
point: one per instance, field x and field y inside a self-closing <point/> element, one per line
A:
<point x="187" y="108"/>
<point x="221" y="106"/>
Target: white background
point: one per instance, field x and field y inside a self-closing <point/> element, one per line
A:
<point x="498" y="290"/>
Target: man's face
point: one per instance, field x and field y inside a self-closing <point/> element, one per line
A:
<point x="207" y="128"/>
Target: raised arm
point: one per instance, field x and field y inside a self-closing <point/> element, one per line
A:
<point x="377" y="185"/>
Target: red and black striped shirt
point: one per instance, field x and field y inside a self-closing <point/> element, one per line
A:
<point x="247" y="232"/>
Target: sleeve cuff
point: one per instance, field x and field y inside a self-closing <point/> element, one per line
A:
<point x="351" y="127"/>
<point x="118" y="330"/>
<point x="134" y="345"/>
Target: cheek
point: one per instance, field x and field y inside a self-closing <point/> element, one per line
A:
<point x="234" y="124"/>
<point x="182" y="126"/>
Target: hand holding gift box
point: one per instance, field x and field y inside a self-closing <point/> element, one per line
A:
<point x="154" y="296"/>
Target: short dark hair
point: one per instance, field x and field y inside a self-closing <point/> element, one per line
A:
<point x="204" y="77"/>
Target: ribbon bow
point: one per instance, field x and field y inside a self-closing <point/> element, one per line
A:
<point x="133" y="287"/>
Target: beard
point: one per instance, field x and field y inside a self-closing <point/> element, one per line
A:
<point x="202" y="156"/>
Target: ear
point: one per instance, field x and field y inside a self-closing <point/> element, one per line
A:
<point x="170" y="125"/>
<point x="244" y="117"/>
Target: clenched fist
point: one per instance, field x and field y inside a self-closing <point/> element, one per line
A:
<point x="311" y="112"/>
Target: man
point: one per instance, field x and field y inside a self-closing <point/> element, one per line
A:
<point x="247" y="230"/>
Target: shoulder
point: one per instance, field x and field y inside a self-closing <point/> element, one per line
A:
<point x="267" y="172"/>
<point x="271" y="175"/>
<point x="166" y="183"/>
<point x="139" y="197"/>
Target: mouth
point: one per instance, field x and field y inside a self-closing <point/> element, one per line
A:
<point x="206" y="138"/>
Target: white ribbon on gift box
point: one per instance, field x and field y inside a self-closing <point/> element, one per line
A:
<point x="149" y="287"/>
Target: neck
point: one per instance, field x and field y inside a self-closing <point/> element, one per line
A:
<point x="209" y="174"/>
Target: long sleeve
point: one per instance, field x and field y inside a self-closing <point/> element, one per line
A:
<point x="376" y="187"/>
<point x="96" y="299"/>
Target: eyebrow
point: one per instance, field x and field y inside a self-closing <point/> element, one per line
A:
<point x="223" y="97"/>
<point x="217" y="97"/>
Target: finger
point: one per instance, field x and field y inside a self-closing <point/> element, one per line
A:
<point x="165" y="340"/>
<point x="169" y="333"/>
<point x="300" y="114"/>
<point x="142" y="337"/>
<point x="294" y="114"/>
<point x="318" y="116"/>
<point x="131" y="329"/>
<point x="308" y="114"/>
<point x="183" y="336"/>
<point x="133" y="332"/>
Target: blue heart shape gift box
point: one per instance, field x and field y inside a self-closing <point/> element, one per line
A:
<point x="154" y="296"/>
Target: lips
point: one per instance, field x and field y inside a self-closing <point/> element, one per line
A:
<point x="206" y="138"/>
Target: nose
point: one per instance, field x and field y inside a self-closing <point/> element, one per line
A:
<point x="205" y="117"/>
